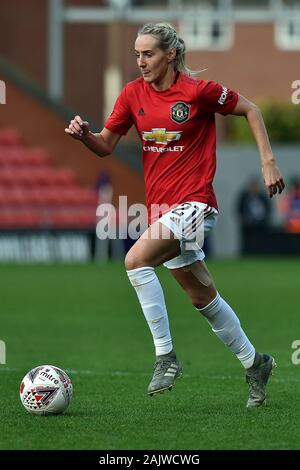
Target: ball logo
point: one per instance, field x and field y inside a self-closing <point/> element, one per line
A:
<point x="33" y="373"/>
<point x="49" y="377"/>
<point x="46" y="390"/>
<point x="180" y="112"/>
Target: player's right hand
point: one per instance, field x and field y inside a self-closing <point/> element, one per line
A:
<point x="78" y="129"/>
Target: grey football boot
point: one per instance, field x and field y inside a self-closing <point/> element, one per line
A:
<point x="167" y="369"/>
<point x="257" y="378"/>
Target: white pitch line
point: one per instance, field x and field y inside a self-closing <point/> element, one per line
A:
<point x="82" y="372"/>
<point x="123" y="373"/>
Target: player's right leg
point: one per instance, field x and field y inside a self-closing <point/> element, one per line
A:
<point x="257" y="378"/>
<point x="155" y="246"/>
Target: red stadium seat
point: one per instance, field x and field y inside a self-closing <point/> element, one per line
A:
<point x="31" y="197"/>
<point x="36" y="157"/>
<point x="11" y="137"/>
<point x="2" y="198"/>
<point x="74" y="220"/>
<point x="19" y="219"/>
<point x="7" y="177"/>
<point x="89" y="197"/>
<point x="34" y="194"/>
<point x="12" y="155"/>
<point x="12" y="197"/>
<point x="64" y="176"/>
<point x="24" y="176"/>
<point x="44" y="176"/>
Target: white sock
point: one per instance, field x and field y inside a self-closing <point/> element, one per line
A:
<point x="151" y="297"/>
<point x="227" y="327"/>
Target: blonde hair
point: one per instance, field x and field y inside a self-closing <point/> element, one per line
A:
<point x="167" y="39"/>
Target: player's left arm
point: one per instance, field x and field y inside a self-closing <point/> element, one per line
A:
<point x="271" y="173"/>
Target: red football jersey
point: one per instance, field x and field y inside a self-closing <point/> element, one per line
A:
<point x="177" y="129"/>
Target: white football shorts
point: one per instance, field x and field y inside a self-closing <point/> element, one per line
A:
<point x="190" y="222"/>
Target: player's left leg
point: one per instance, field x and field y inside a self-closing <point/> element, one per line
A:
<point x="198" y="283"/>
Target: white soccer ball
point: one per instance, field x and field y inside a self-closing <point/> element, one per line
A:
<point x="46" y="390"/>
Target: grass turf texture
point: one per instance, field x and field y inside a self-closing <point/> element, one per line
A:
<point x="86" y="319"/>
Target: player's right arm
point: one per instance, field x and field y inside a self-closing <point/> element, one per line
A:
<point x="102" y="144"/>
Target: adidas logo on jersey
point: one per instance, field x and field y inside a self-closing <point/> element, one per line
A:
<point x="141" y="112"/>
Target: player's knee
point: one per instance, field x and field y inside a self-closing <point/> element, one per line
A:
<point x="200" y="302"/>
<point x="129" y="262"/>
<point x="201" y="298"/>
<point x="133" y="261"/>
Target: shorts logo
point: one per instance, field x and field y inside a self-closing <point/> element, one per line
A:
<point x="176" y="220"/>
<point x="180" y="112"/>
<point x="161" y="136"/>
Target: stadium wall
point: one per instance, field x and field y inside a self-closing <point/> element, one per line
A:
<point x="254" y="65"/>
<point x="236" y="165"/>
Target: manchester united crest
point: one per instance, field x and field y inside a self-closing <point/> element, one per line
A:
<point x="180" y="112"/>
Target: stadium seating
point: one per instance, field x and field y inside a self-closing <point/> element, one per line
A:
<point x="36" y="195"/>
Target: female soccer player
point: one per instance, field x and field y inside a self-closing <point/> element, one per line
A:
<point x="174" y="116"/>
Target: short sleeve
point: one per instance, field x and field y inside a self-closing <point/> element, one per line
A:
<point x="120" y="119"/>
<point x="216" y="98"/>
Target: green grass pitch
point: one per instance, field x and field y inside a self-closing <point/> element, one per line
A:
<point x="86" y="319"/>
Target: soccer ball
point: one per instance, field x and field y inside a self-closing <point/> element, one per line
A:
<point x="46" y="390"/>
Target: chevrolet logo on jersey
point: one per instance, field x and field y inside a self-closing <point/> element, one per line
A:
<point x="161" y="136"/>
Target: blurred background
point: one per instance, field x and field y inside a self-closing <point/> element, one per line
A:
<point x="64" y="57"/>
<point x="62" y="304"/>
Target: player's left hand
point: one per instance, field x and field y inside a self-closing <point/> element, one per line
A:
<point x="272" y="178"/>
